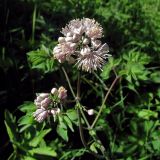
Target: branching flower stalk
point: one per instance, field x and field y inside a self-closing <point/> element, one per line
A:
<point x="79" y="113"/>
<point x="104" y="101"/>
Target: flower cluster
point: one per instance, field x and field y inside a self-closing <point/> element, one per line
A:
<point x="47" y="103"/>
<point x="81" y="45"/>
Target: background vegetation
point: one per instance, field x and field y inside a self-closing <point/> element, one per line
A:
<point x="129" y="125"/>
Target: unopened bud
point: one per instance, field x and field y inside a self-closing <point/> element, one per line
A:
<point x="69" y="34"/>
<point x="44" y="95"/>
<point x="62" y="93"/>
<point x="73" y="45"/>
<point x="86" y="41"/>
<point x="90" y="112"/>
<point x="69" y="39"/>
<point x="54" y="91"/>
<point x="61" y="39"/>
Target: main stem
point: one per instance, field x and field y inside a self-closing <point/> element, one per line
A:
<point x="79" y="112"/>
<point x="104" y="101"/>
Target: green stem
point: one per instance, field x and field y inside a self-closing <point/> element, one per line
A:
<point x="34" y="22"/>
<point x="102" y="106"/>
<point x="79" y="112"/>
<point x="69" y="84"/>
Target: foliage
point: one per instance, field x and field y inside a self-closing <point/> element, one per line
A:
<point x="129" y="124"/>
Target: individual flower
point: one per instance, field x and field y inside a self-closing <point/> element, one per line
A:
<point x="81" y="45"/>
<point x="92" y="28"/>
<point x="62" y="93"/>
<point x="63" y="51"/>
<point x="75" y="27"/>
<point x="90" y="59"/>
<point x="42" y="100"/>
<point x="40" y="114"/>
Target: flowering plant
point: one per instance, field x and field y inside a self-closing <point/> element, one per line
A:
<point x="110" y="107"/>
<point x="81" y="45"/>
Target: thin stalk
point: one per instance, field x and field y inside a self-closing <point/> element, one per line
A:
<point x="34" y="22"/>
<point x="85" y="119"/>
<point x="79" y="112"/>
<point x="100" y="80"/>
<point x="102" y="106"/>
<point x="69" y="84"/>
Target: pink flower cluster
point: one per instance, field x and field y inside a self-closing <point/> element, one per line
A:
<point x="44" y="103"/>
<point x="81" y="45"/>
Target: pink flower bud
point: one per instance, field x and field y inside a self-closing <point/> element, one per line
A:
<point x="45" y="103"/>
<point x="69" y="34"/>
<point x="61" y="39"/>
<point x="76" y="37"/>
<point x="54" y="91"/>
<point x="90" y="112"/>
<point x="69" y="39"/>
<point x="62" y="93"/>
<point x="44" y="95"/>
<point x="38" y="104"/>
<point x="40" y="115"/>
<point x="73" y="45"/>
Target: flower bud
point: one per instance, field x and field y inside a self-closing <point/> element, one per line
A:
<point x="90" y="112"/>
<point x="76" y="37"/>
<point x="44" y="95"/>
<point x="54" y="91"/>
<point x="40" y="115"/>
<point x="69" y="34"/>
<point x="69" y="39"/>
<point x="85" y="41"/>
<point x="73" y="45"/>
<point x="45" y="103"/>
<point x="61" y="39"/>
<point x="62" y="93"/>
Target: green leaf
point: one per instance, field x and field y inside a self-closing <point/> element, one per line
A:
<point x="71" y="154"/>
<point x="155" y="77"/>
<point x="48" y="151"/>
<point x="27" y="107"/>
<point x="10" y="123"/>
<point x="72" y="114"/>
<point x="146" y="114"/>
<point x="156" y="145"/>
<point x="112" y="63"/>
<point x="26" y="119"/>
<point x="68" y="122"/>
<point x="42" y="60"/>
<point x="62" y="129"/>
<point x="36" y="140"/>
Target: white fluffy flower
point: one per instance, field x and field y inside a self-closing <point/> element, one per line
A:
<point x="63" y="51"/>
<point x="81" y="45"/>
<point x="90" y="60"/>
